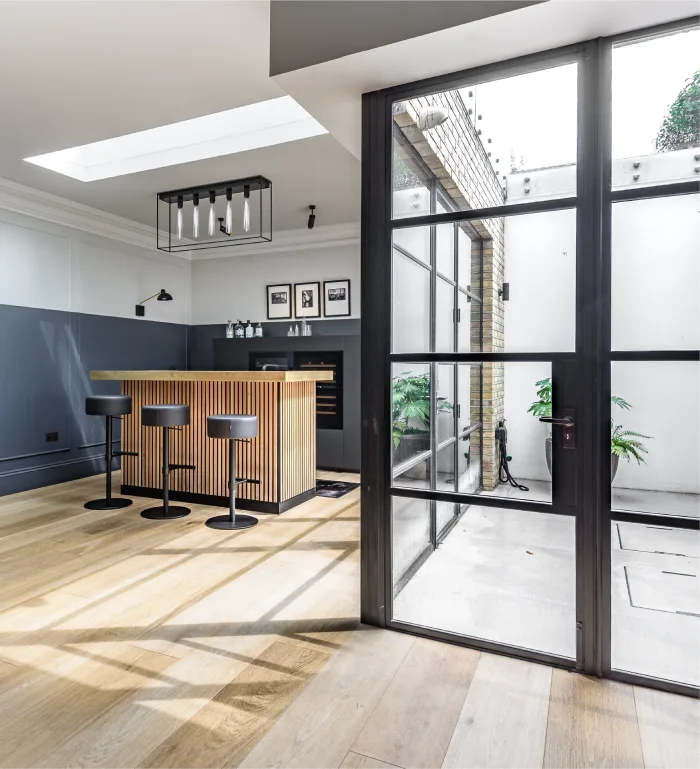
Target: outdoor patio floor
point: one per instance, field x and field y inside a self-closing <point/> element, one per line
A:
<point x="509" y="576"/>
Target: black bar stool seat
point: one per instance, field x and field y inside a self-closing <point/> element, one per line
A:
<point x="110" y="407"/>
<point x="232" y="427"/>
<point x="167" y="416"/>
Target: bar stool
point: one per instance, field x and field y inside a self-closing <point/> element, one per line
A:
<point x="167" y="416"/>
<point x="110" y="407"/>
<point x="232" y="427"/>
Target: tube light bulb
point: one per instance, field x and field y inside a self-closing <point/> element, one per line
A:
<point x="212" y="214"/>
<point x="229" y="212"/>
<point x="179" y="218"/>
<point x="195" y="216"/>
<point x="246" y="209"/>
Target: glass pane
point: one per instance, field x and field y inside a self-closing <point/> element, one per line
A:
<point x="445" y="402"/>
<point x="485" y="144"/>
<point x="468" y="328"/>
<point x="468" y="395"/>
<point x="656" y="601"/>
<point x="445" y="514"/>
<point x="444" y="316"/>
<point x="445" y="249"/>
<point x="655" y="443"/>
<point x="410" y="537"/>
<point x="509" y="392"/>
<point x="469" y="462"/>
<point x="656" y="134"/>
<point x="414" y="241"/>
<point x="411" y="191"/>
<point x="501" y="575"/>
<point x="656" y="274"/>
<point x="411" y="422"/>
<point x="445" y="469"/>
<point x="469" y="258"/>
<point x="410" y="305"/>
<point x="538" y="261"/>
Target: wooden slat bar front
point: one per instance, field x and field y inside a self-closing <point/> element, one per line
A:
<point x="282" y="457"/>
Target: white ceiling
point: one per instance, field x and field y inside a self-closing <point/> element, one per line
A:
<point x="79" y="72"/>
<point x="332" y="91"/>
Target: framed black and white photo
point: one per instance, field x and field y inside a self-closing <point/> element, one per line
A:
<point x="336" y="298"/>
<point x="307" y="300"/>
<point x="279" y="301"/>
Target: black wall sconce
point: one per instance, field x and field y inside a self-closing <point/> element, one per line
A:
<point x="312" y="217"/>
<point x="504" y="292"/>
<point x="163" y="296"/>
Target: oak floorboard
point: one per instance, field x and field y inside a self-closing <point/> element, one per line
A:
<point x="318" y="729"/>
<point x="669" y="727"/>
<point x="592" y="723"/>
<point x="503" y="722"/>
<point x="416" y="716"/>
<point x="226" y="728"/>
<point x="358" y="761"/>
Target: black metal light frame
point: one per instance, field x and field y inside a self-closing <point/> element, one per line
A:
<point x="251" y="184"/>
<point x="582" y="483"/>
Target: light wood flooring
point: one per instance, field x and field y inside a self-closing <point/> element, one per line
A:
<point x="134" y="643"/>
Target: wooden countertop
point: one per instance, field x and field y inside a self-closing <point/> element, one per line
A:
<point x="215" y="376"/>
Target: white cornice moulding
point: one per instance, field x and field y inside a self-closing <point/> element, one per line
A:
<point x="51" y="208"/>
<point x="328" y="236"/>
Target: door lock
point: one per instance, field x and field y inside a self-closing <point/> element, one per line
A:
<point x="567" y="422"/>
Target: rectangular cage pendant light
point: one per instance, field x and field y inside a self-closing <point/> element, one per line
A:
<point x="217" y="215"/>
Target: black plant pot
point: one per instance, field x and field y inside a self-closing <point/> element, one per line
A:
<point x="409" y="446"/>
<point x="614" y="459"/>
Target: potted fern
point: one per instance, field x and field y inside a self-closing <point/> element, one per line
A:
<point x="623" y="443"/>
<point x="411" y="415"/>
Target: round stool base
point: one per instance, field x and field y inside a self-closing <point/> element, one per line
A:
<point x="159" y="514"/>
<point x="224" y="522"/>
<point x="116" y="503"/>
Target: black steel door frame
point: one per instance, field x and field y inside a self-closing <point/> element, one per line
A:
<point x="590" y="474"/>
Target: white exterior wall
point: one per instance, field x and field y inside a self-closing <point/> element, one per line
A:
<point x="655" y="305"/>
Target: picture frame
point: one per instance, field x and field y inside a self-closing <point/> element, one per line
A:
<point x="279" y="301"/>
<point x="336" y="298"/>
<point x="307" y="300"/>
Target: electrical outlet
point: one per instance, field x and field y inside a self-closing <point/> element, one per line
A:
<point x="51" y="437"/>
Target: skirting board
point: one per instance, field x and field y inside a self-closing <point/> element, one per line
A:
<point x="253" y="505"/>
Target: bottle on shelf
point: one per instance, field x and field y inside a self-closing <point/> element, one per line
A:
<point x="304" y="326"/>
<point x="296" y="330"/>
<point x="259" y="331"/>
<point x="239" y="332"/>
<point x="249" y="331"/>
<point x="229" y="329"/>
<point x="290" y="332"/>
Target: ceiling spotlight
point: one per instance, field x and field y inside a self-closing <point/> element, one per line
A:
<point x="162" y="296"/>
<point x="312" y="217"/>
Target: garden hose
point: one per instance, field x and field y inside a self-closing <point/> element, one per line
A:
<point x="504" y="475"/>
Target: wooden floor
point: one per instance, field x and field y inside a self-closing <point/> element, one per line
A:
<point x="126" y="642"/>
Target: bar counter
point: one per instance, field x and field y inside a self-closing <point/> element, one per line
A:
<point x="282" y="457"/>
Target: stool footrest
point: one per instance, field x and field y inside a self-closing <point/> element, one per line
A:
<point x="246" y="480"/>
<point x="125" y="453"/>
<point x="182" y="467"/>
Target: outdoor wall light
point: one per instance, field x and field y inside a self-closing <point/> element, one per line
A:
<point x="162" y="295"/>
<point x="504" y="292"/>
<point x="312" y="217"/>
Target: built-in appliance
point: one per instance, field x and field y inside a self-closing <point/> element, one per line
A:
<point x="271" y="361"/>
<point x="329" y="395"/>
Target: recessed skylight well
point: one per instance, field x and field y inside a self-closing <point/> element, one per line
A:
<point x="237" y="130"/>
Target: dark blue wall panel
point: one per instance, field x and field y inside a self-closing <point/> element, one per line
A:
<point x="45" y="361"/>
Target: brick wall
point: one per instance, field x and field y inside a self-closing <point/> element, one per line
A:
<point x="456" y="156"/>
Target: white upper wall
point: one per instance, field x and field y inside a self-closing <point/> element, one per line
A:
<point x="49" y="266"/>
<point x="235" y="287"/>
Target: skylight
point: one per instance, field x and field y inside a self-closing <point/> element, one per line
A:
<point x="237" y="130"/>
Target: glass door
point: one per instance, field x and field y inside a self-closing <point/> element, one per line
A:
<point x="483" y="318"/>
<point x="513" y="307"/>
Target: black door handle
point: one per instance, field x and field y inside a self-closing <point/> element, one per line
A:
<point x="564" y="422"/>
